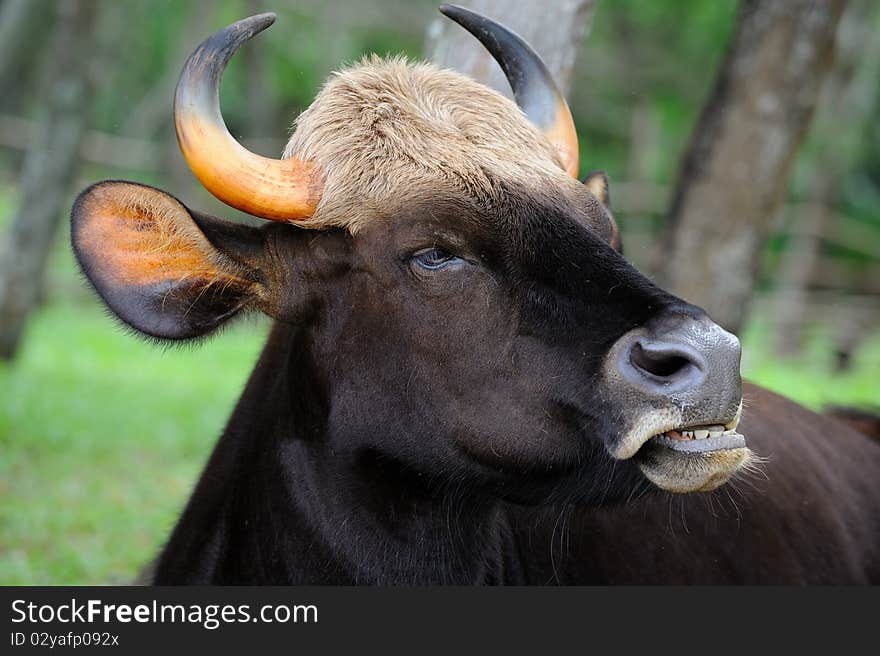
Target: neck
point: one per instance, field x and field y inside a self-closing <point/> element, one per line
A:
<point x="303" y="508"/>
<point x="361" y="518"/>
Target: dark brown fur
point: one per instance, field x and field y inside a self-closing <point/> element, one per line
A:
<point x="863" y="420"/>
<point x="463" y="423"/>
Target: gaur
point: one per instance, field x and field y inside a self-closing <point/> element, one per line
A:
<point x="465" y="382"/>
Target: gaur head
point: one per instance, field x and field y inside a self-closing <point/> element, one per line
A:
<point x="460" y="294"/>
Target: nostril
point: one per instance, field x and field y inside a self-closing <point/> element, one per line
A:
<point x="662" y="361"/>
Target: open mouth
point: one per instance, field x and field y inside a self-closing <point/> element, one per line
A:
<point x="701" y="439"/>
<point x="694" y="458"/>
<point x="666" y="428"/>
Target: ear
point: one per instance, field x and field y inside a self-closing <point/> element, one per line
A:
<point x="162" y="270"/>
<point x="597" y="183"/>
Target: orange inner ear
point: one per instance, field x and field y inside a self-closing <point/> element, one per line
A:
<point x="140" y="236"/>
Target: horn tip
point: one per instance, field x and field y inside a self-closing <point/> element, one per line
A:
<point x="451" y="10"/>
<point x="264" y="20"/>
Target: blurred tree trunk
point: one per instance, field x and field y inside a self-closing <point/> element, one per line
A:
<point x="848" y="95"/>
<point x="24" y="29"/>
<point x="736" y="170"/>
<point x="555" y="29"/>
<point x="49" y="168"/>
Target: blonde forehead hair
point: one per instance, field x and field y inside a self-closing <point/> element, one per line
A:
<point x="385" y="132"/>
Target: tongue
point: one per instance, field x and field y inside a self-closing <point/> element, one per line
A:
<point x="728" y="440"/>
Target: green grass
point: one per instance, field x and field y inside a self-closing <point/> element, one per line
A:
<point x="101" y="438"/>
<point x="102" y="435"/>
<point x="810" y="378"/>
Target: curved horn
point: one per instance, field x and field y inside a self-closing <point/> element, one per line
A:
<point x="533" y="87"/>
<point x="277" y="189"/>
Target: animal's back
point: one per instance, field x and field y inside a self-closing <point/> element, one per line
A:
<point x="809" y="514"/>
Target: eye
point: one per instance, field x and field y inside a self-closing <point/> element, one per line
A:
<point x="434" y="259"/>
